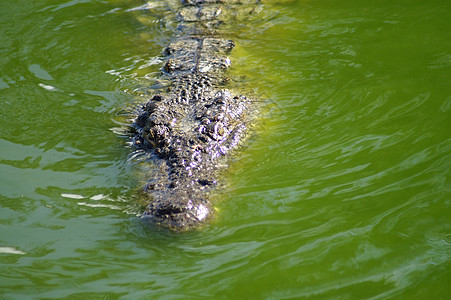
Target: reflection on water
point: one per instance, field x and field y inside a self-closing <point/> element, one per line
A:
<point x="342" y="192"/>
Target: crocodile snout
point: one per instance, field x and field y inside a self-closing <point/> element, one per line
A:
<point x="178" y="212"/>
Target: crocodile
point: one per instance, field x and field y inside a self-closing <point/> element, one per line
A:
<point x="191" y="127"/>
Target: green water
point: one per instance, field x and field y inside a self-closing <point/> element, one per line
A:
<point x="343" y="192"/>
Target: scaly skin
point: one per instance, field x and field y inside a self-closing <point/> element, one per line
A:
<point x="193" y="127"/>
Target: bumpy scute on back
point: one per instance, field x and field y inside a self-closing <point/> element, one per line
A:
<point x="192" y="128"/>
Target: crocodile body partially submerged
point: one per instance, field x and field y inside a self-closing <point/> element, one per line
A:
<point x="191" y="127"/>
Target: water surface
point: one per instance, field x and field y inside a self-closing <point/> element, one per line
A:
<point x="342" y="192"/>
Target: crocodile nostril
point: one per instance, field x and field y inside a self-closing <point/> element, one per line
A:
<point x="168" y="210"/>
